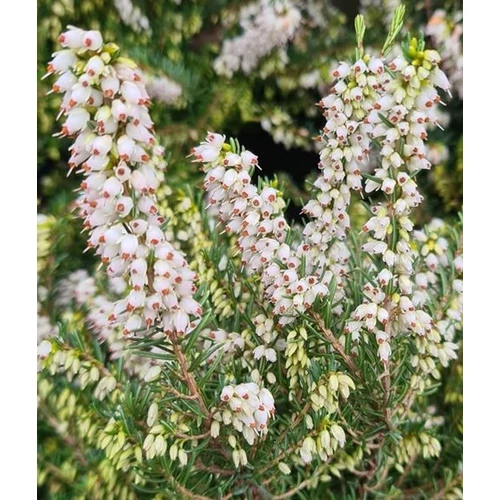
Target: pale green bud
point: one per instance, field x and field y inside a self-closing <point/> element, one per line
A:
<point x="183" y="458"/>
<point x="323" y="391"/>
<point x="138" y="454"/>
<point x="173" y="451"/>
<point x="325" y="438"/>
<point x="121" y="439"/>
<point x="309" y="422"/>
<point x="243" y="457"/>
<point x="111" y="384"/>
<point x="153" y="373"/>
<point x="255" y="376"/>
<point x="333" y="382"/>
<point x="232" y="441"/>
<point x="309" y="444"/>
<point x="94" y="374"/>
<point x="114" y="450"/>
<point x="283" y="467"/>
<point x="152" y="415"/>
<point x="215" y="428"/>
<point x="236" y="458"/>
<point x="227" y="310"/>
<point x="105" y="442"/>
<point x="157" y="429"/>
<point x="338" y="433"/>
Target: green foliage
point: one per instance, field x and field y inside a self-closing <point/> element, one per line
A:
<point x="142" y="417"/>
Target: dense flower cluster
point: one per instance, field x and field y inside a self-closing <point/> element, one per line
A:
<point x="346" y="145"/>
<point x="405" y="106"/>
<point x="226" y="343"/>
<point x="439" y="345"/>
<point x="131" y="15"/>
<point x="162" y="89"/>
<point x="345" y="148"/>
<point x="266" y="26"/>
<point x="280" y="125"/>
<point x="249" y="409"/>
<point x="327" y="442"/>
<point x="80" y="290"/>
<point x="256" y="216"/>
<point x="106" y="107"/>
<point x="446" y="35"/>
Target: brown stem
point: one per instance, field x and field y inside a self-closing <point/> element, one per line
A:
<point x="411" y="492"/>
<point x="188" y="377"/>
<point x="406" y="471"/>
<point x="187" y="493"/>
<point x="380" y="482"/>
<point x="386" y="386"/>
<point x="349" y="361"/>
<point x="214" y="469"/>
<point x="179" y="394"/>
<point x="189" y="437"/>
<point x="300" y="486"/>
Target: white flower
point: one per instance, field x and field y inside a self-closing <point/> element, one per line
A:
<point x="266" y="26"/>
<point x="92" y="40"/>
<point x="251" y="408"/>
<point x="131" y="15"/>
<point x="110" y="93"/>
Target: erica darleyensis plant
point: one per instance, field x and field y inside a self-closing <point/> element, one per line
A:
<point x="220" y="351"/>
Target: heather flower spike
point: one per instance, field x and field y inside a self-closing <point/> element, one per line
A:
<point x="105" y="109"/>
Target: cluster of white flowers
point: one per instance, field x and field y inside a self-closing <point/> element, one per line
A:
<point x="106" y="107"/>
<point x="439" y="343"/>
<point x="249" y="409"/>
<point x="367" y="106"/>
<point x="266" y="25"/>
<point x="79" y="286"/>
<point x="80" y="289"/>
<point x="280" y="125"/>
<point x="346" y="146"/>
<point x="446" y="34"/>
<point x="227" y="343"/>
<point x="256" y="216"/>
<point x="398" y="120"/>
<point x="162" y="89"/>
<point x="131" y="15"/>
<point x="265" y="329"/>
<point x="325" y="445"/>
<point x="45" y="329"/>
<point x="352" y="114"/>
